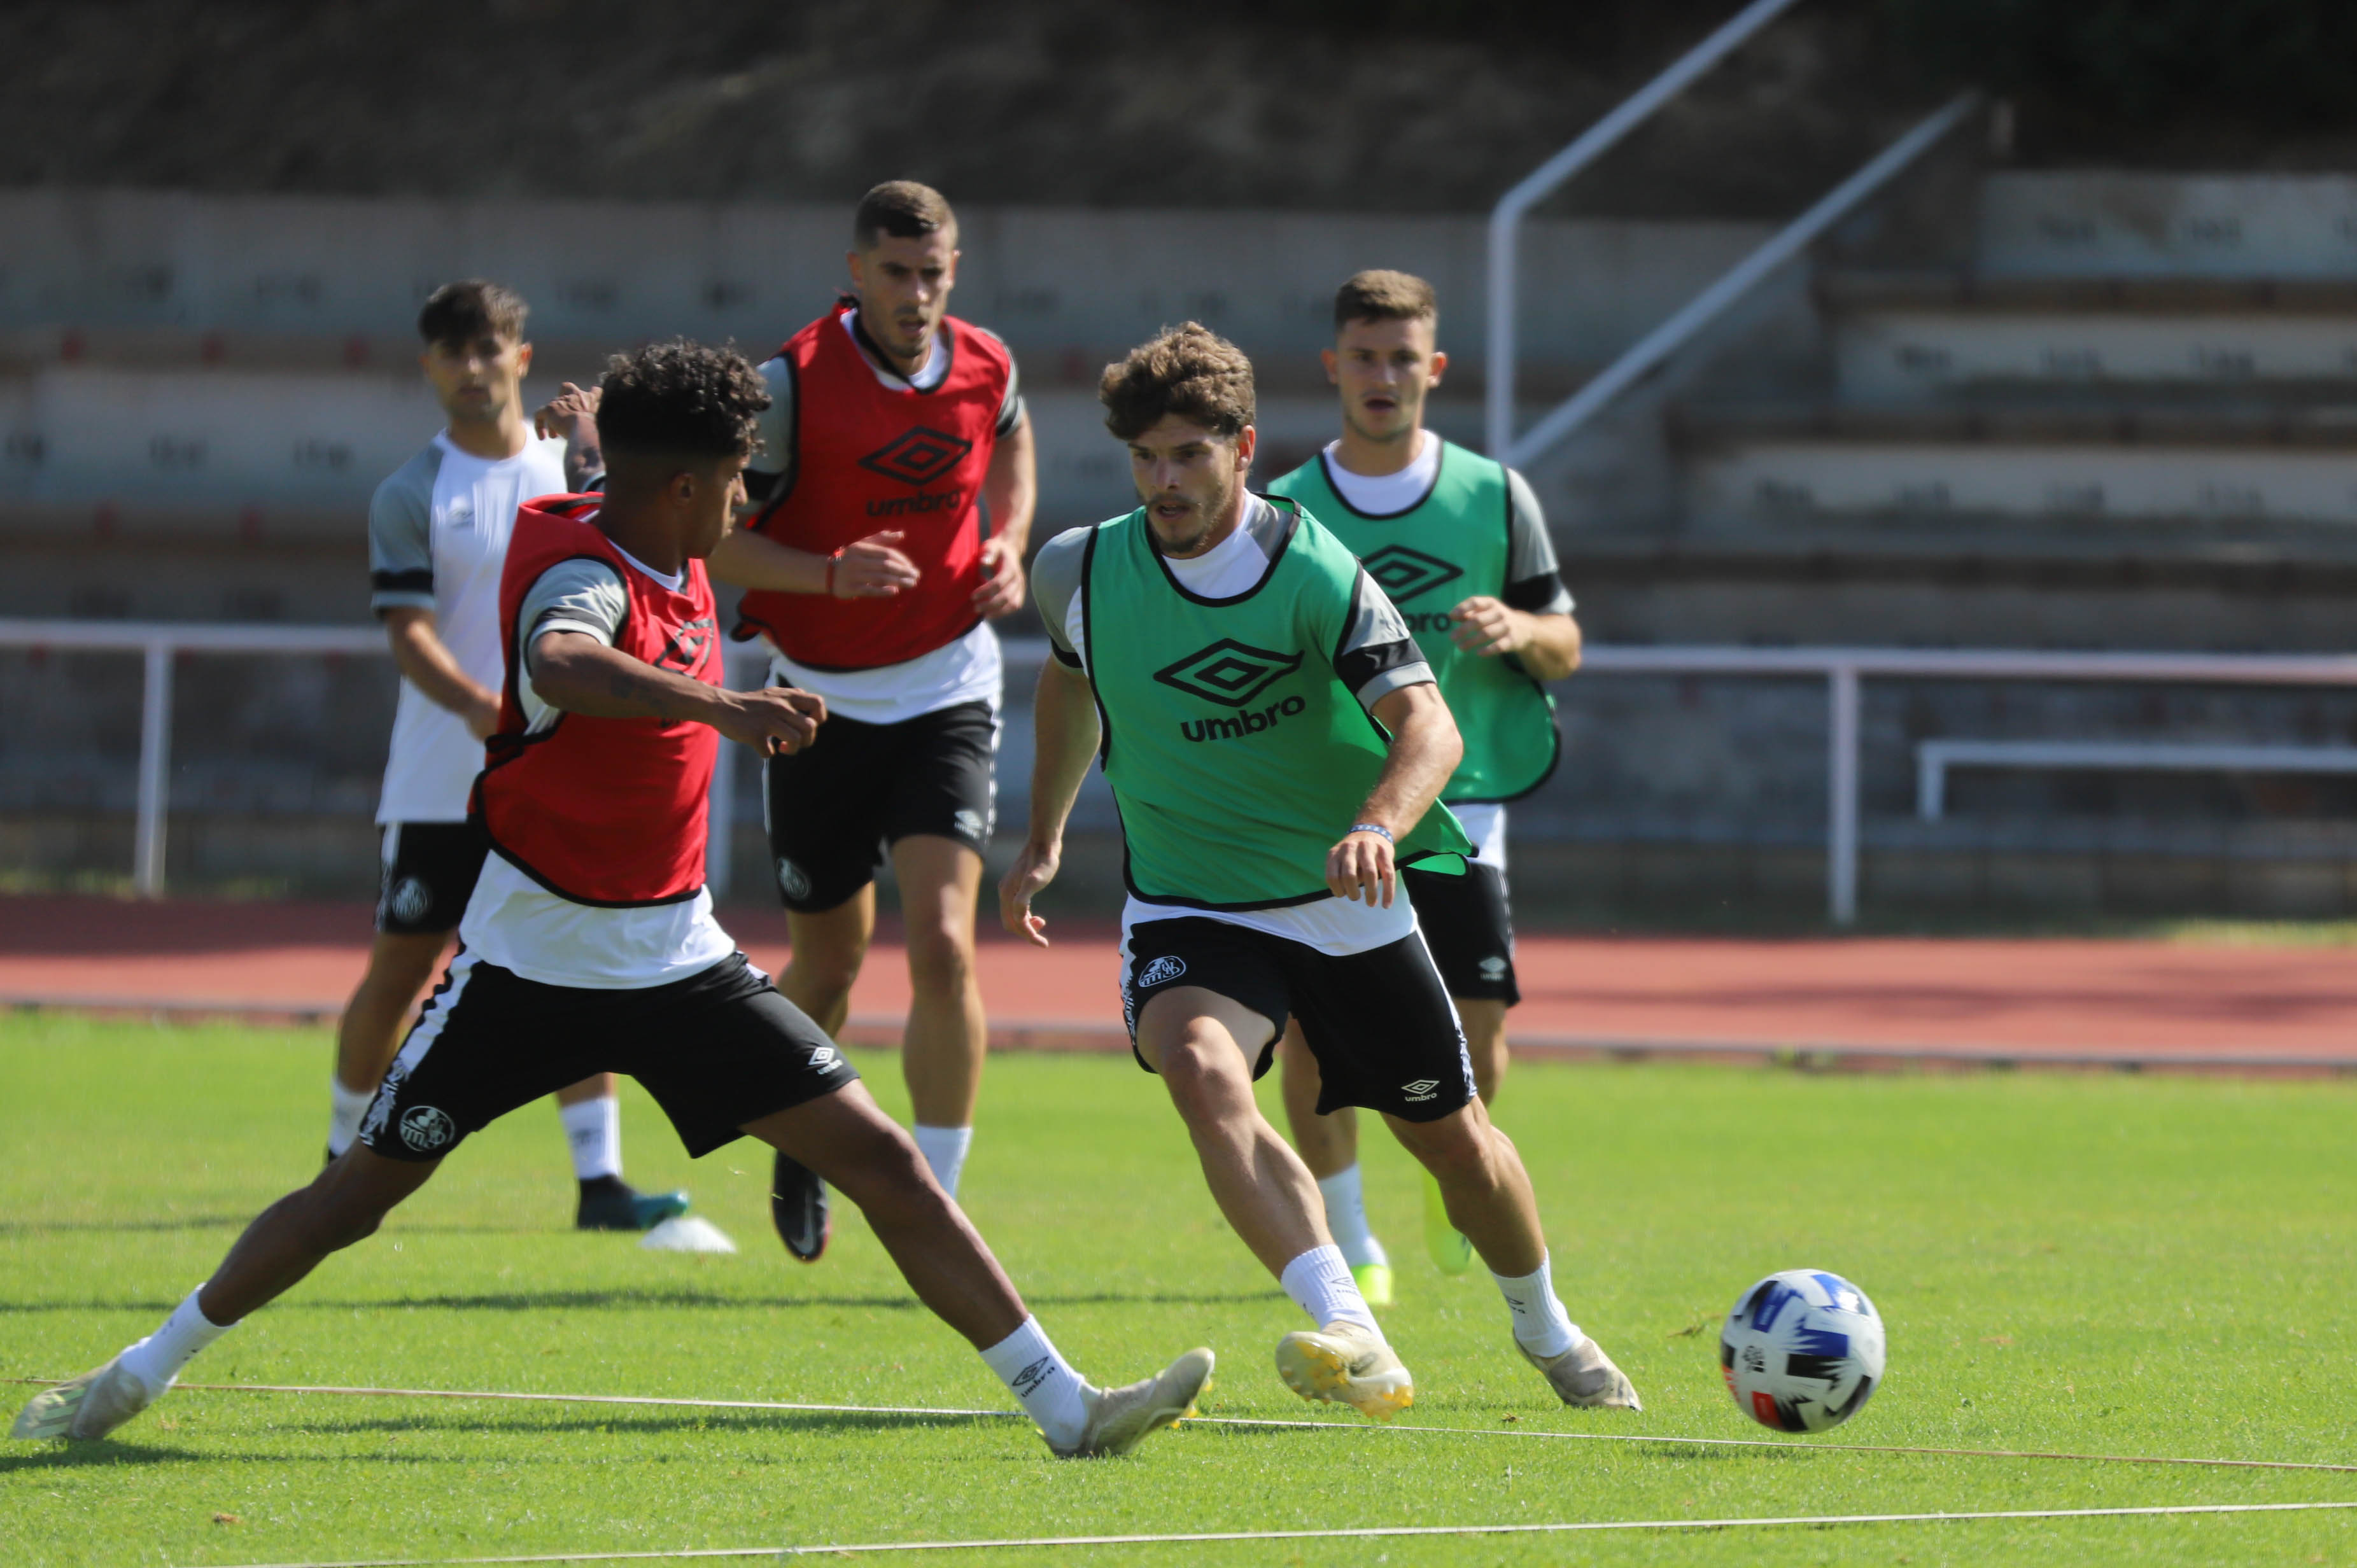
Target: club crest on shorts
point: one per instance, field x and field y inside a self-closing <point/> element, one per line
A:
<point x="425" y="1129"/>
<point x="410" y="899"/>
<point x="793" y="880"/>
<point x="1422" y="1089"/>
<point x="1165" y="968"/>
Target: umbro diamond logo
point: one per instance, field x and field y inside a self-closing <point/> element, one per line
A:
<point x="1403" y="574"/>
<point x="1422" y="1089"/>
<point x="824" y="1060"/>
<point x="1165" y="968"/>
<point x="917" y="455"/>
<point x="1229" y="672"/>
<point x="690" y="647"/>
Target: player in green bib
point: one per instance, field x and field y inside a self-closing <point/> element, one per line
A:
<point x="1277" y="747"/>
<point x="1458" y="541"/>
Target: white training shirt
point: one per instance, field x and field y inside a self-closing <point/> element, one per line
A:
<point x="1387" y="495"/>
<point x="438" y="532"/>
<point x="517" y="924"/>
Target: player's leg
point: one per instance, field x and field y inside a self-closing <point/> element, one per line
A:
<point x="1485" y="1042"/>
<point x="1328" y="1145"/>
<point x="1208" y="1040"/>
<point x="591" y="1113"/>
<point x="1470" y="933"/>
<point x="941" y="1048"/>
<point x="474" y="1055"/>
<point x="824" y="825"/>
<point x="740" y="1043"/>
<point x="938" y="818"/>
<point x="399" y="965"/>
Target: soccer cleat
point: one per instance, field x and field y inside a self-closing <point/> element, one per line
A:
<point x="620" y="1208"/>
<point x="90" y="1406"/>
<point x="1451" y="1252"/>
<point x="1120" y="1419"/>
<point x="1374" y="1281"/>
<point x="1584" y="1375"/>
<point x="798" y="1208"/>
<point x="1346" y="1364"/>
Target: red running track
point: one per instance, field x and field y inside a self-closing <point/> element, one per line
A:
<point x="1857" y="1000"/>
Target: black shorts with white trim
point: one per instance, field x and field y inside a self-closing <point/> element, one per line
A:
<point x="430" y="870"/>
<point x="1469" y="927"/>
<point x="832" y="807"/>
<point x="1380" y="1023"/>
<point x="718" y="1049"/>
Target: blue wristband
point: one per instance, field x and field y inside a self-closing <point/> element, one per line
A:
<point x="1373" y="828"/>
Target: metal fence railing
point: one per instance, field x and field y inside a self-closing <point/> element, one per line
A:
<point x="1844" y="671"/>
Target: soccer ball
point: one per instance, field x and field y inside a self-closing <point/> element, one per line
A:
<point x="1802" y="1351"/>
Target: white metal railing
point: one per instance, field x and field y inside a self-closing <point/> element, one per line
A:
<point x="1650" y="352"/>
<point x="1843" y="670"/>
<point x="1506" y="218"/>
<point x="1933" y="758"/>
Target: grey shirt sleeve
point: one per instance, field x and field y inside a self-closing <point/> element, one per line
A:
<point x="1534" y="581"/>
<point x="774" y="459"/>
<point x="581" y="595"/>
<point x="1010" y="407"/>
<point x="1376" y="655"/>
<point x="400" y="535"/>
<point x="1055" y="584"/>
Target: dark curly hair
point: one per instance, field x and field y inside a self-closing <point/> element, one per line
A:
<point x="1188" y="371"/>
<point x="680" y="399"/>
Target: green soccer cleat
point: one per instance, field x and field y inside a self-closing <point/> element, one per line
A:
<point x="1584" y="1375"/>
<point x="88" y="1406"/>
<point x="620" y="1207"/>
<point x="1345" y="1364"/>
<point x="1452" y="1254"/>
<point x="1374" y="1283"/>
<point x="1120" y="1419"/>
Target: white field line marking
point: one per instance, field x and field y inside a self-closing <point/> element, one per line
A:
<point x="1248" y="1421"/>
<point x="1364" y="1532"/>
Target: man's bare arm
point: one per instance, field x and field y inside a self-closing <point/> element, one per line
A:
<point x="870" y="569"/>
<point x="578" y="673"/>
<point x="421" y="655"/>
<point x="573" y="413"/>
<point x="1547" y="645"/>
<point x="1011" y="489"/>
<point x="1065" y="735"/>
<point x="1425" y="750"/>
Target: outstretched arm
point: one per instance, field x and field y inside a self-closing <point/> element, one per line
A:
<point x="1065" y="734"/>
<point x="869" y="568"/>
<point x="1425" y="750"/>
<point x="580" y="674"/>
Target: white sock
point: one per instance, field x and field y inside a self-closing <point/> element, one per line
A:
<point x="1346" y="1217"/>
<point x="1541" y="1325"/>
<point x="1038" y="1375"/>
<point x="944" y="1149"/>
<point x="345" y="1109"/>
<point x="156" y="1360"/>
<point x="1319" y="1282"/>
<point x="594" y="1127"/>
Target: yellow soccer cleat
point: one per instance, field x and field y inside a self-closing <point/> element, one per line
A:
<point x="1374" y="1281"/>
<point x="88" y="1406"/>
<point x="1452" y="1254"/>
<point x="1345" y="1364"/>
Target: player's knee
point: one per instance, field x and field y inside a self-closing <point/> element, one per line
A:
<point x="827" y="972"/>
<point x="1459" y="1151"/>
<point x="940" y="957"/>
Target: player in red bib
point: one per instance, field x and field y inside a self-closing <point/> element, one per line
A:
<point x="590" y="944"/>
<point x="895" y="433"/>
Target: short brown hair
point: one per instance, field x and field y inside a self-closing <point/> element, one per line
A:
<point x="1188" y="371"/>
<point x="1382" y="296"/>
<point x="470" y="308"/>
<point x="904" y="210"/>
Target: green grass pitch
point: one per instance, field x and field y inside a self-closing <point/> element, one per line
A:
<point x="2098" y="1264"/>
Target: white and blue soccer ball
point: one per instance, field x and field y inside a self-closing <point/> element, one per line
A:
<point x="1802" y="1351"/>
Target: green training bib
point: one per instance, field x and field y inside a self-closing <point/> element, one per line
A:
<point x="1237" y="757"/>
<point x="1453" y="544"/>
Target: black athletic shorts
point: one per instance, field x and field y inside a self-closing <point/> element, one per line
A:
<point x="429" y="874"/>
<point x="1469" y="927"/>
<point x="716" y="1050"/>
<point x="1380" y="1023"/>
<point x="834" y="807"/>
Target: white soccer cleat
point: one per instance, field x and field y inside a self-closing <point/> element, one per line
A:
<point x="1584" y="1375"/>
<point x="1346" y="1364"/>
<point x="1120" y="1419"/>
<point x="88" y="1406"/>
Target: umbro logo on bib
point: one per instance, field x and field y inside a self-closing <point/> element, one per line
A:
<point x="1229" y="672"/>
<point x="1403" y="574"/>
<point x="917" y="455"/>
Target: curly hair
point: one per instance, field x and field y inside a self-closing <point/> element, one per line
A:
<point x="680" y="399"/>
<point x="1188" y="371"/>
